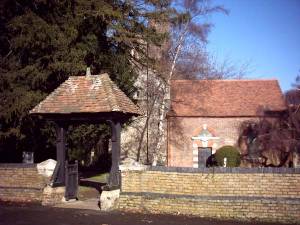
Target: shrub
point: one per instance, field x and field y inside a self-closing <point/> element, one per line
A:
<point x="231" y="153"/>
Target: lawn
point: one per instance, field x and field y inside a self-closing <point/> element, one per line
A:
<point x="91" y="185"/>
<point x="101" y="178"/>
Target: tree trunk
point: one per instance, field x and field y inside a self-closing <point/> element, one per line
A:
<point x="166" y="93"/>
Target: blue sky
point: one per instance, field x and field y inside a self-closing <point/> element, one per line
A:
<point x="263" y="33"/>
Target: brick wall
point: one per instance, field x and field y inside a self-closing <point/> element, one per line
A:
<point x="182" y="129"/>
<point x="242" y="193"/>
<point x="21" y="183"/>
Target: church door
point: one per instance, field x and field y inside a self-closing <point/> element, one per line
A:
<point x="203" y="154"/>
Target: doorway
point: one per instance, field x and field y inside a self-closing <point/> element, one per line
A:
<point x="203" y="154"/>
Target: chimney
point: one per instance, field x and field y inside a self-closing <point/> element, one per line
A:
<point x="88" y="71"/>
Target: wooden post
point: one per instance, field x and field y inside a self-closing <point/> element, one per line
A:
<point x="114" y="176"/>
<point x="59" y="180"/>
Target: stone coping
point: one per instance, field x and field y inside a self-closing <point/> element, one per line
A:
<point x="212" y="170"/>
<point x="18" y="165"/>
<point x="282" y="170"/>
<point x="133" y="167"/>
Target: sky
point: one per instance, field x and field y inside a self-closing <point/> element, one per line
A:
<point x="265" y="34"/>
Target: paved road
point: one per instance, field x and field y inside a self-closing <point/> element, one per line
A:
<point x="39" y="215"/>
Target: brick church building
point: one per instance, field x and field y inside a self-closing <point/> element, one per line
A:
<point x="206" y="115"/>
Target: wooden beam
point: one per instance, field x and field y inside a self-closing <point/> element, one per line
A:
<point x="92" y="118"/>
<point x="59" y="180"/>
<point x="114" y="176"/>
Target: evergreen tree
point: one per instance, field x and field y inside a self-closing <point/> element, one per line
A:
<point x="45" y="41"/>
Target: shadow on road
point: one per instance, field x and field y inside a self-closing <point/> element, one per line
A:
<point x="36" y="215"/>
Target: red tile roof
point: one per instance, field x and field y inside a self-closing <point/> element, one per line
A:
<point x="86" y="94"/>
<point x="225" y="98"/>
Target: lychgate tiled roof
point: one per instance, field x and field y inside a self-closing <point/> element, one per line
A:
<point x="87" y="94"/>
<point x="225" y="98"/>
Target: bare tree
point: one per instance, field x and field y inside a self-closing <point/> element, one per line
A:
<point x="186" y="54"/>
<point x="275" y="142"/>
<point x="183" y="55"/>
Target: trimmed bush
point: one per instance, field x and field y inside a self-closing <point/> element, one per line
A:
<point x="231" y="153"/>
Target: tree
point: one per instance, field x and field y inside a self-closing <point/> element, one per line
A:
<point x="293" y="96"/>
<point x="183" y="55"/>
<point x="44" y="42"/>
<point x="274" y="142"/>
<point x="293" y="103"/>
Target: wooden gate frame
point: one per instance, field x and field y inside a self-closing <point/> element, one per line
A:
<point x="71" y="185"/>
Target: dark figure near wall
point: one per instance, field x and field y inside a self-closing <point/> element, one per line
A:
<point x="211" y="161"/>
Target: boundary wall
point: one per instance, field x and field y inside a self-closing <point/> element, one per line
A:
<point x="21" y="182"/>
<point x="264" y="194"/>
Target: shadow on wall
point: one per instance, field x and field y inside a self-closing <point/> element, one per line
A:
<point x="269" y="142"/>
<point x="179" y="143"/>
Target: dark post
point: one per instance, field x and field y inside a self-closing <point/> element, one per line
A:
<point x="147" y="91"/>
<point x="114" y="176"/>
<point x="59" y="180"/>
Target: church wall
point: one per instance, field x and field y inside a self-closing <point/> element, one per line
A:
<point x="183" y="151"/>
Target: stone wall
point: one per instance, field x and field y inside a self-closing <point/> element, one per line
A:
<point x="182" y="150"/>
<point x="21" y="183"/>
<point x="265" y="194"/>
<point x="53" y="195"/>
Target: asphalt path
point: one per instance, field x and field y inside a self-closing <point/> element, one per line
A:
<point x="40" y="215"/>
